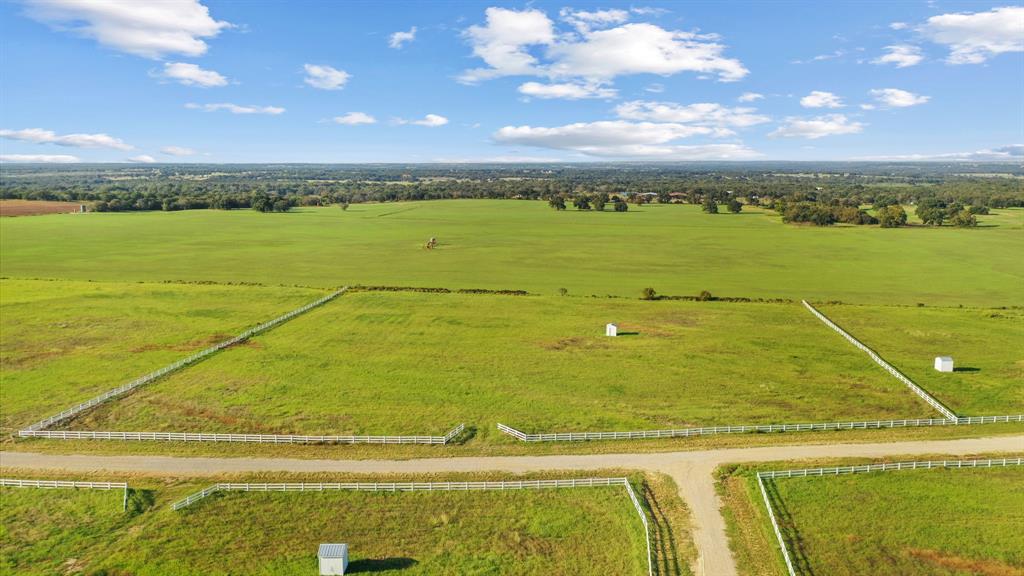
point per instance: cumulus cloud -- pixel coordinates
(40, 136)
(566, 91)
(817, 127)
(619, 138)
(235, 108)
(819, 99)
(750, 97)
(584, 21)
(430, 121)
(354, 119)
(40, 158)
(898, 25)
(148, 29)
(142, 159)
(896, 98)
(399, 39)
(325, 77)
(177, 151)
(902, 55)
(192, 75)
(593, 55)
(973, 38)
(720, 117)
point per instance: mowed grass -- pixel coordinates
(415, 363)
(64, 342)
(937, 522)
(987, 347)
(502, 244)
(521, 532)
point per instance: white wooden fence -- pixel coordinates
(250, 438)
(431, 487)
(16, 483)
(931, 400)
(143, 380)
(810, 427)
(839, 470)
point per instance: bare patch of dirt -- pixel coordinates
(36, 207)
(953, 562)
(191, 346)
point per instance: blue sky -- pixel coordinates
(212, 81)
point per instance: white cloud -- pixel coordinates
(149, 29)
(399, 39)
(354, 119)
(595, 56)
(235, 108)
(325, 77)
(192, 75)
(817, 127)
(40, 136)
(568, 91)
(700, 114)
(902, 55)
(430, 121)
(896, 98)
(655, 88)
(142, 159)
(584, 21)
(750, 97)
(40, 158)
(898, 25)
(618, 138)
(1010, 153)
(973, 38)
(819, 99)
(177, 151)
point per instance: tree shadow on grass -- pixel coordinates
(966, 369)
(379, 565)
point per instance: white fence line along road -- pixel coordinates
(250, 438)
(815, 427)
(839, 470)
(431, 487)
(143, 380)
(16, 483)
(931, 400)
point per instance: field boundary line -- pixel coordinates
(430, 487)
(51, 484)
(188, 361)
(250, 438)
(931, 400)
(839, 470)
(752, 428)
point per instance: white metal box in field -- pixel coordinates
(333, 559)
(944, 363)
(611, 330)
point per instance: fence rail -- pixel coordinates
(143, 380)
(16, 483)
(250, 438)
(810, 427)
(430, 487)
(839, 470)
(931, 400)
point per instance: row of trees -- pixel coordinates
(596, 202)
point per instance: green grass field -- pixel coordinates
(500, 244)
(912, 522)
(64, 342)
(414, 363)
(529, 532)
(987, 347)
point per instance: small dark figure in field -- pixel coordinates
(431, 244)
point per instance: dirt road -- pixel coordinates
(692, 472)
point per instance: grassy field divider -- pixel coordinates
(143, 380)
(250, 438)
(51, 484)
(753, 428)
(931, 400)
(431, 487)
(839, 470)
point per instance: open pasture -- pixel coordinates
(987, 346)
(502, 244)
(64, 342)
(420, 363)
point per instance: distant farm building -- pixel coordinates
(333, 559)
(944, 363)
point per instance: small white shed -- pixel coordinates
(611, 330)
(944, 363)
(333, 559)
